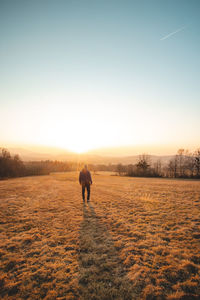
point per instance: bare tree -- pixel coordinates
(130, 170)
(197, 162)
(173, 166)
(143, 164)
(180, 162)
(10, 166)
(120, 169)
(189, 164)
(158, 168)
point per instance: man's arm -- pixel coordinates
(90, 177)
(80, 178)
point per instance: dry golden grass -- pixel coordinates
(138, 239)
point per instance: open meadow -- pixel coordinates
(138, 238)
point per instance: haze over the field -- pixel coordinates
(90, 74)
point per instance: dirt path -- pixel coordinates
(101, 272)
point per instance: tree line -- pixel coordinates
(13, 166)
(182, 165)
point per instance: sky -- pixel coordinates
(82, 75)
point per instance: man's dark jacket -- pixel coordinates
(85, 177)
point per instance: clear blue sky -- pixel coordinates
(89, 74)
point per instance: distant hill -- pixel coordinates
(64, 155)
(40, 153)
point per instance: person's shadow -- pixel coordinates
(101, 272)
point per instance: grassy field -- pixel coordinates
(137, 239)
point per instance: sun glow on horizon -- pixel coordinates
(82, 132)
(78, 149)
(75, 82)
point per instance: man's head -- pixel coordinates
(85, 168)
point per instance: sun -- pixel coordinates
(78, 135)
(79, 149)
(74, 143)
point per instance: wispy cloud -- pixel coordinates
(172, 33)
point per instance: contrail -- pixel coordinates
(172, 33)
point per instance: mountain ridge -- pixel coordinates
(89, 157)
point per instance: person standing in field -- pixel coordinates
(85, 180)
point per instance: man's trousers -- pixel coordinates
(86, 186)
